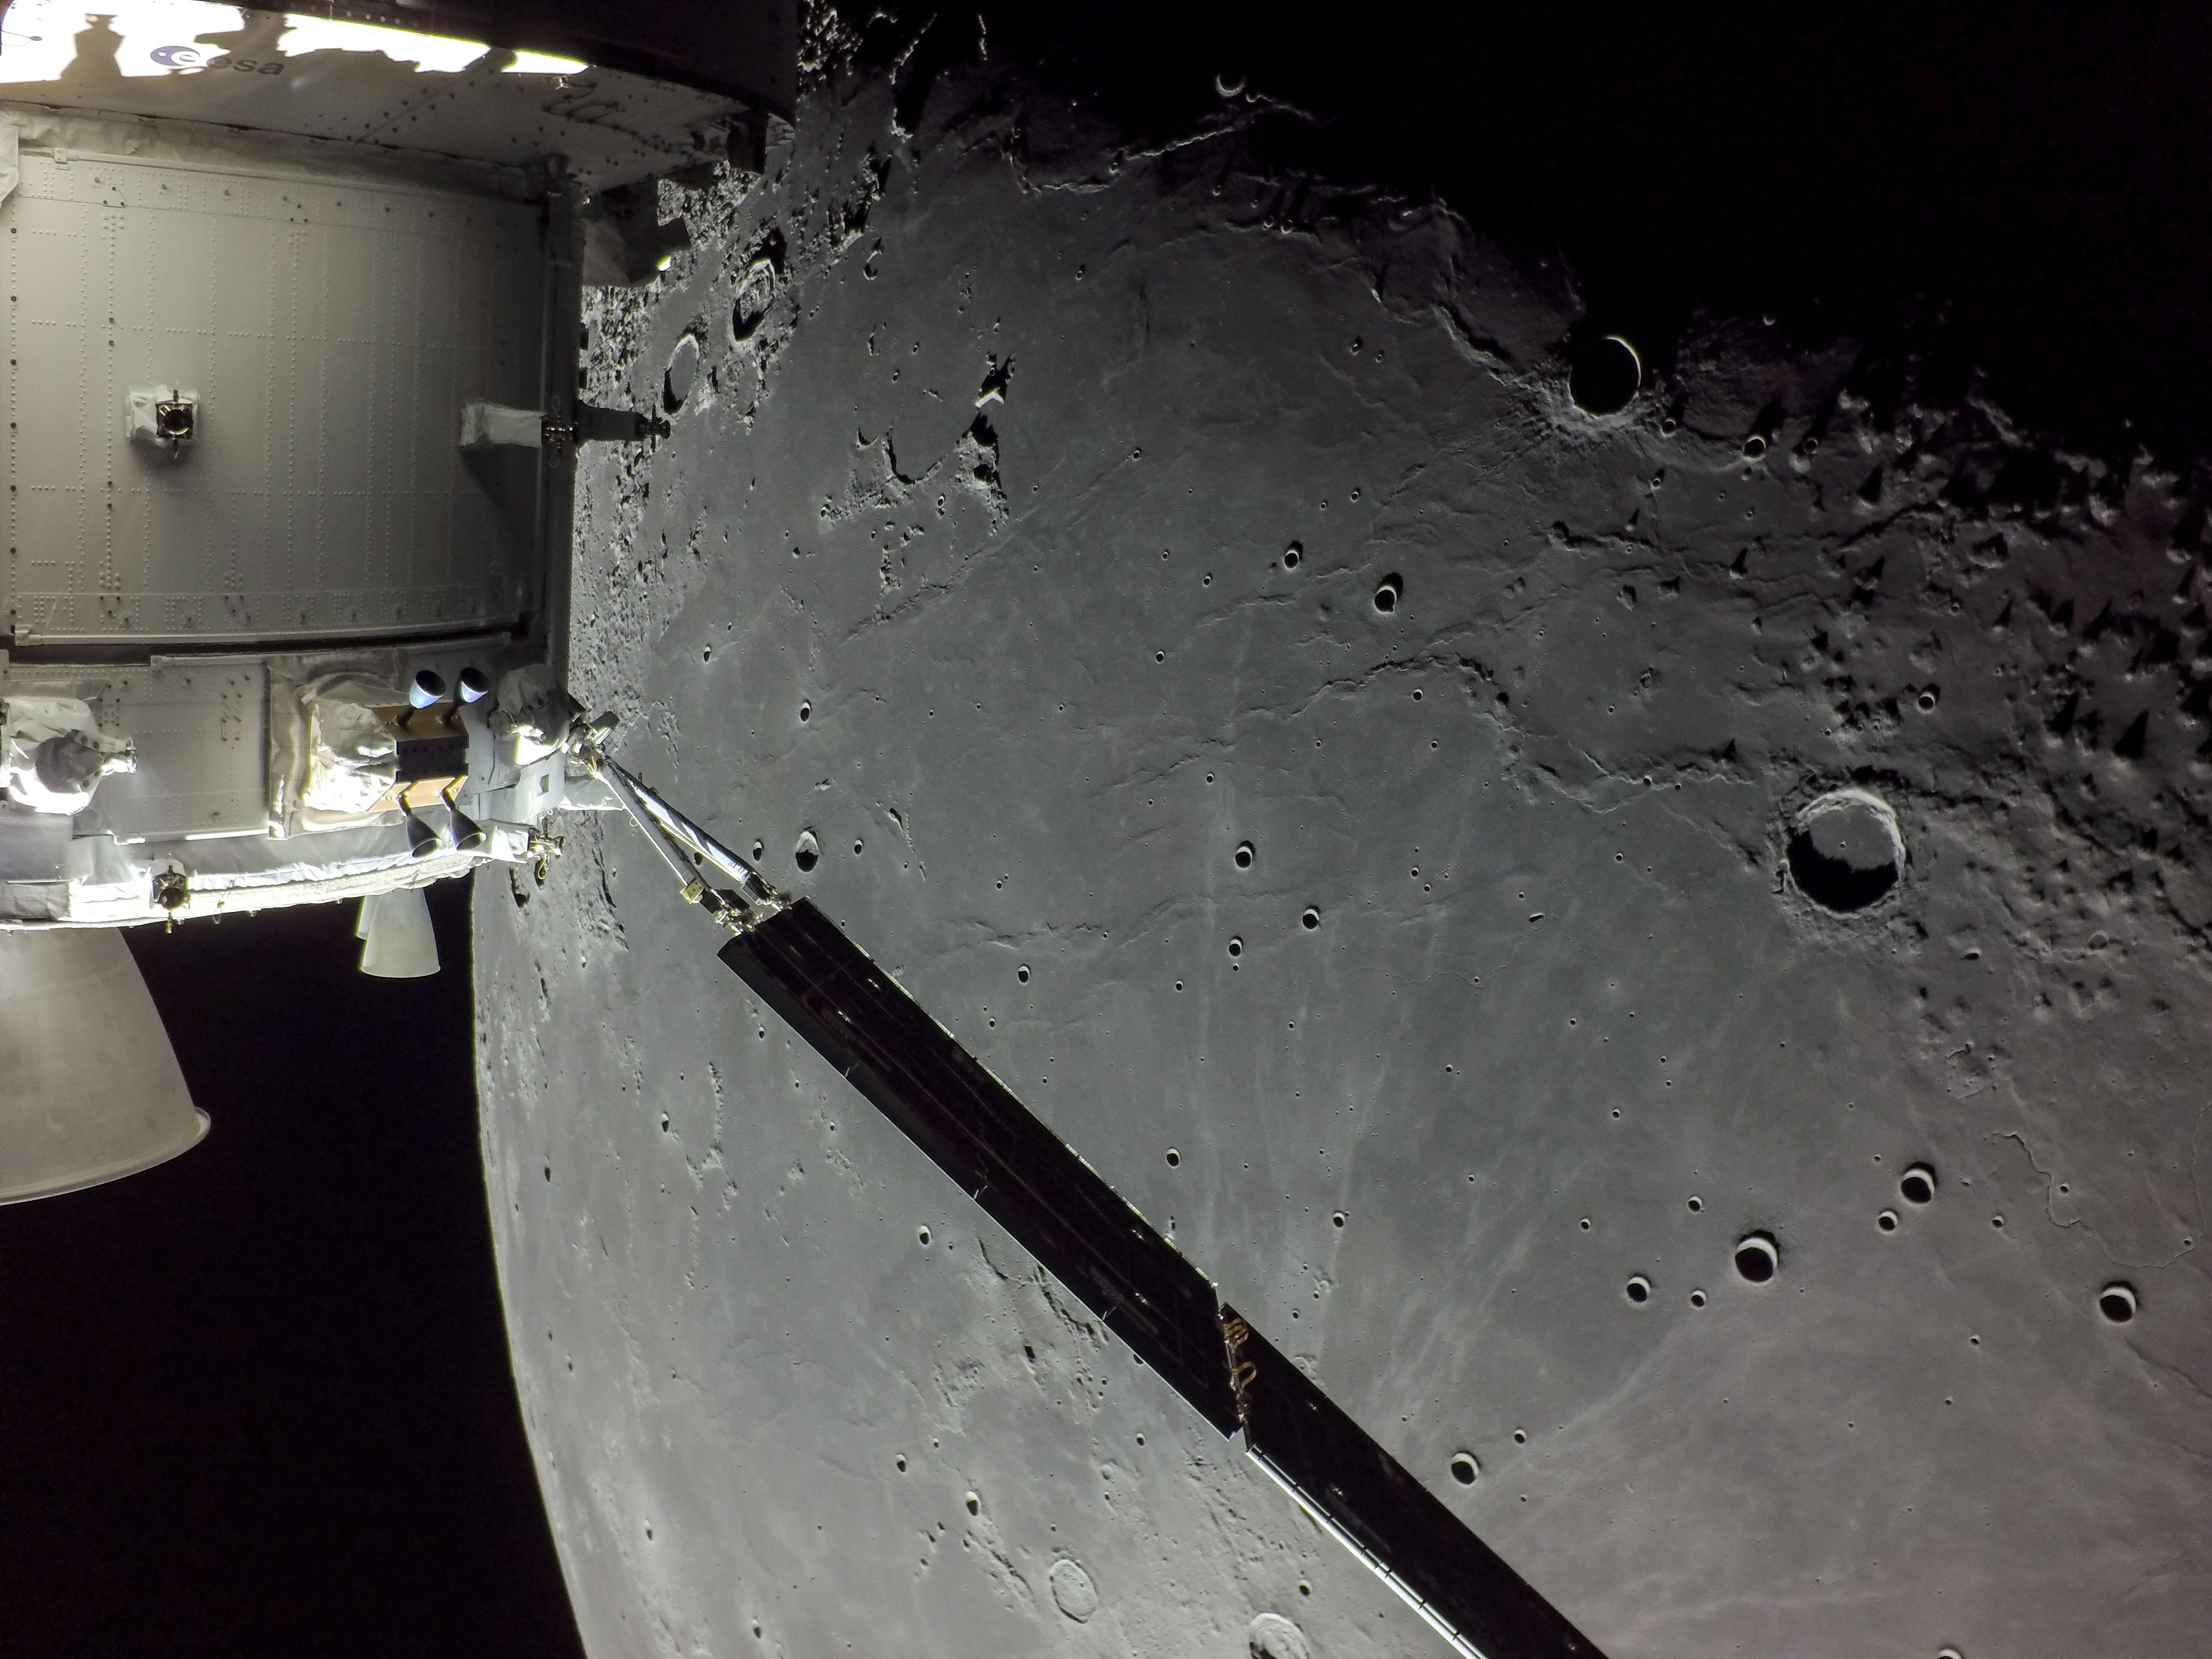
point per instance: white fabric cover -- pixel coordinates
(28, 721)
(351, 756)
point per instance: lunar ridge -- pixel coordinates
(1659, 951)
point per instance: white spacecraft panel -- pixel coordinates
(384, 90)
(201, 730)
(331, 331)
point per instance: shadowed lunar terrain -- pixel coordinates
(1661, 953)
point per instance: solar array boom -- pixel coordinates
(1056, 1206)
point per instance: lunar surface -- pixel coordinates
(1657, 944)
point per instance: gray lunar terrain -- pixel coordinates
(1460, 865)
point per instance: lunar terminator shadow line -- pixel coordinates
(911, 1069)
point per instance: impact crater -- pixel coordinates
(1605, 376)
(1845, 852)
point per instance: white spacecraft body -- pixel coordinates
(291, 335)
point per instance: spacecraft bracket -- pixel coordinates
(495, 426)
(164, 419)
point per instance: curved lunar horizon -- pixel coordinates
(1661, 954)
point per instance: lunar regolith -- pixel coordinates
(1651, 930)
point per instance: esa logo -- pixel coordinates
(191, 57)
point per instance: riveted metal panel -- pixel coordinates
(332, 331)
(201, 731)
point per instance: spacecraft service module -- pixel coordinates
(293, 304)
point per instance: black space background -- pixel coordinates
(258, 1401)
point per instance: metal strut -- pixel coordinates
(687, 849)
(1090, 1239)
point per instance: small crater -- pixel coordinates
(1917, 1184)
(1605, 376)
(856, 848)
(1928, 699)
(805, 711)
(1697, 1299)
(1023, 974)
(1291, 555)
(1388, 591)
(808, 853)
(1271, 1636)
(682, 373)
(1520, 1437)
(1235, 947)
(921, 1234)
(756, 288)
(2117, 1302)
(1175, 1158)
(1845, 853)
(1695, 1204)
(1337, 1220)
(1311, 919)
(1886, 1221)
(1757, 1258)
(1637, 1290)
(1072, 1592)
(900, 1462)
(1754, 446)
(1464, 1468)
(1244, 855)
(974, 1504)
